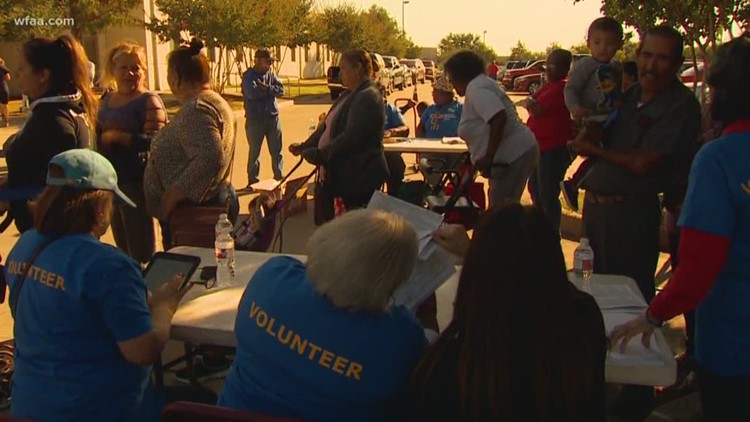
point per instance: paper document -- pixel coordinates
(424, 221)
(635, 352)
(427, 277)
(452, 140)
(614, 296)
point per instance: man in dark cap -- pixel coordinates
(261, 87)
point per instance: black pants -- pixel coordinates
(724, 399)
(625, 240)
(397, 170)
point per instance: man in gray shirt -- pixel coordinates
(658, 121)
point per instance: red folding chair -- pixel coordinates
(194, 412)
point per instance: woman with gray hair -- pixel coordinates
(320, 341)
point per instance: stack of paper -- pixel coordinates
(434, 266)
(616, 297)
(452, 140)
(424, 221)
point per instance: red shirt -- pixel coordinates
(492, 69)
(554, 127)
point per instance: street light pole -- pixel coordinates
(484, 37)
(403, 10)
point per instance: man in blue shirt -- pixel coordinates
(261, 87)
(441, 119)
(395, 126)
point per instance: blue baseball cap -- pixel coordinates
(86, 170)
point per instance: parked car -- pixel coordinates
(408, 75)
(383, 77)
(510, 76)
(430, 70)
(399, 72)
(529, 83)
(417, 68)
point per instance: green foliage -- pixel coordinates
(452, 43)
(521, 52)
(89, 16)
(343, 27)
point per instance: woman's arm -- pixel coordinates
(146, 348)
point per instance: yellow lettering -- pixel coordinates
(11, 268)
(299, 343)
(288, 337)
(354, 370)
(264, 316)
(43, 277)
(60, 283)
(339, 364)
(313, 350)
(326, 358)
(269, 329)
(35, 271)
(253, 309)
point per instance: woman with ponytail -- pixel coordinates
(54, 74)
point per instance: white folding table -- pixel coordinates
(207, 316)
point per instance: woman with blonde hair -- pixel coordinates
(322, 340)
(129, 117)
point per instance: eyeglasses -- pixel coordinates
(207, 277)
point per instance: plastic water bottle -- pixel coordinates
(224, 248)
(583, 263)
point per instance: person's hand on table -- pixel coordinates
(624, 332)
(452, 238)
(388, 133)
(169, 294)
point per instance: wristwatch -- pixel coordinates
(653, 321)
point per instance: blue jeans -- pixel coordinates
(256, 130)
(544, 183)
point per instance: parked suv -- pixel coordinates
(417, 68)
(383, 77)
(509, 78)
(430, 71)
(399, 72)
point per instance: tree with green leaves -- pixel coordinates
(342, 27)
(452, 43)
(89, 16)
(521, 52)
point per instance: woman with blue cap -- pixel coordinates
(86, 328)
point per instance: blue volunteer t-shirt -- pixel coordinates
(393, 117)
(440, 121)
(300, 356)
(718, 202)
(79, 299)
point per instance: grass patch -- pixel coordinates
(292, 91)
